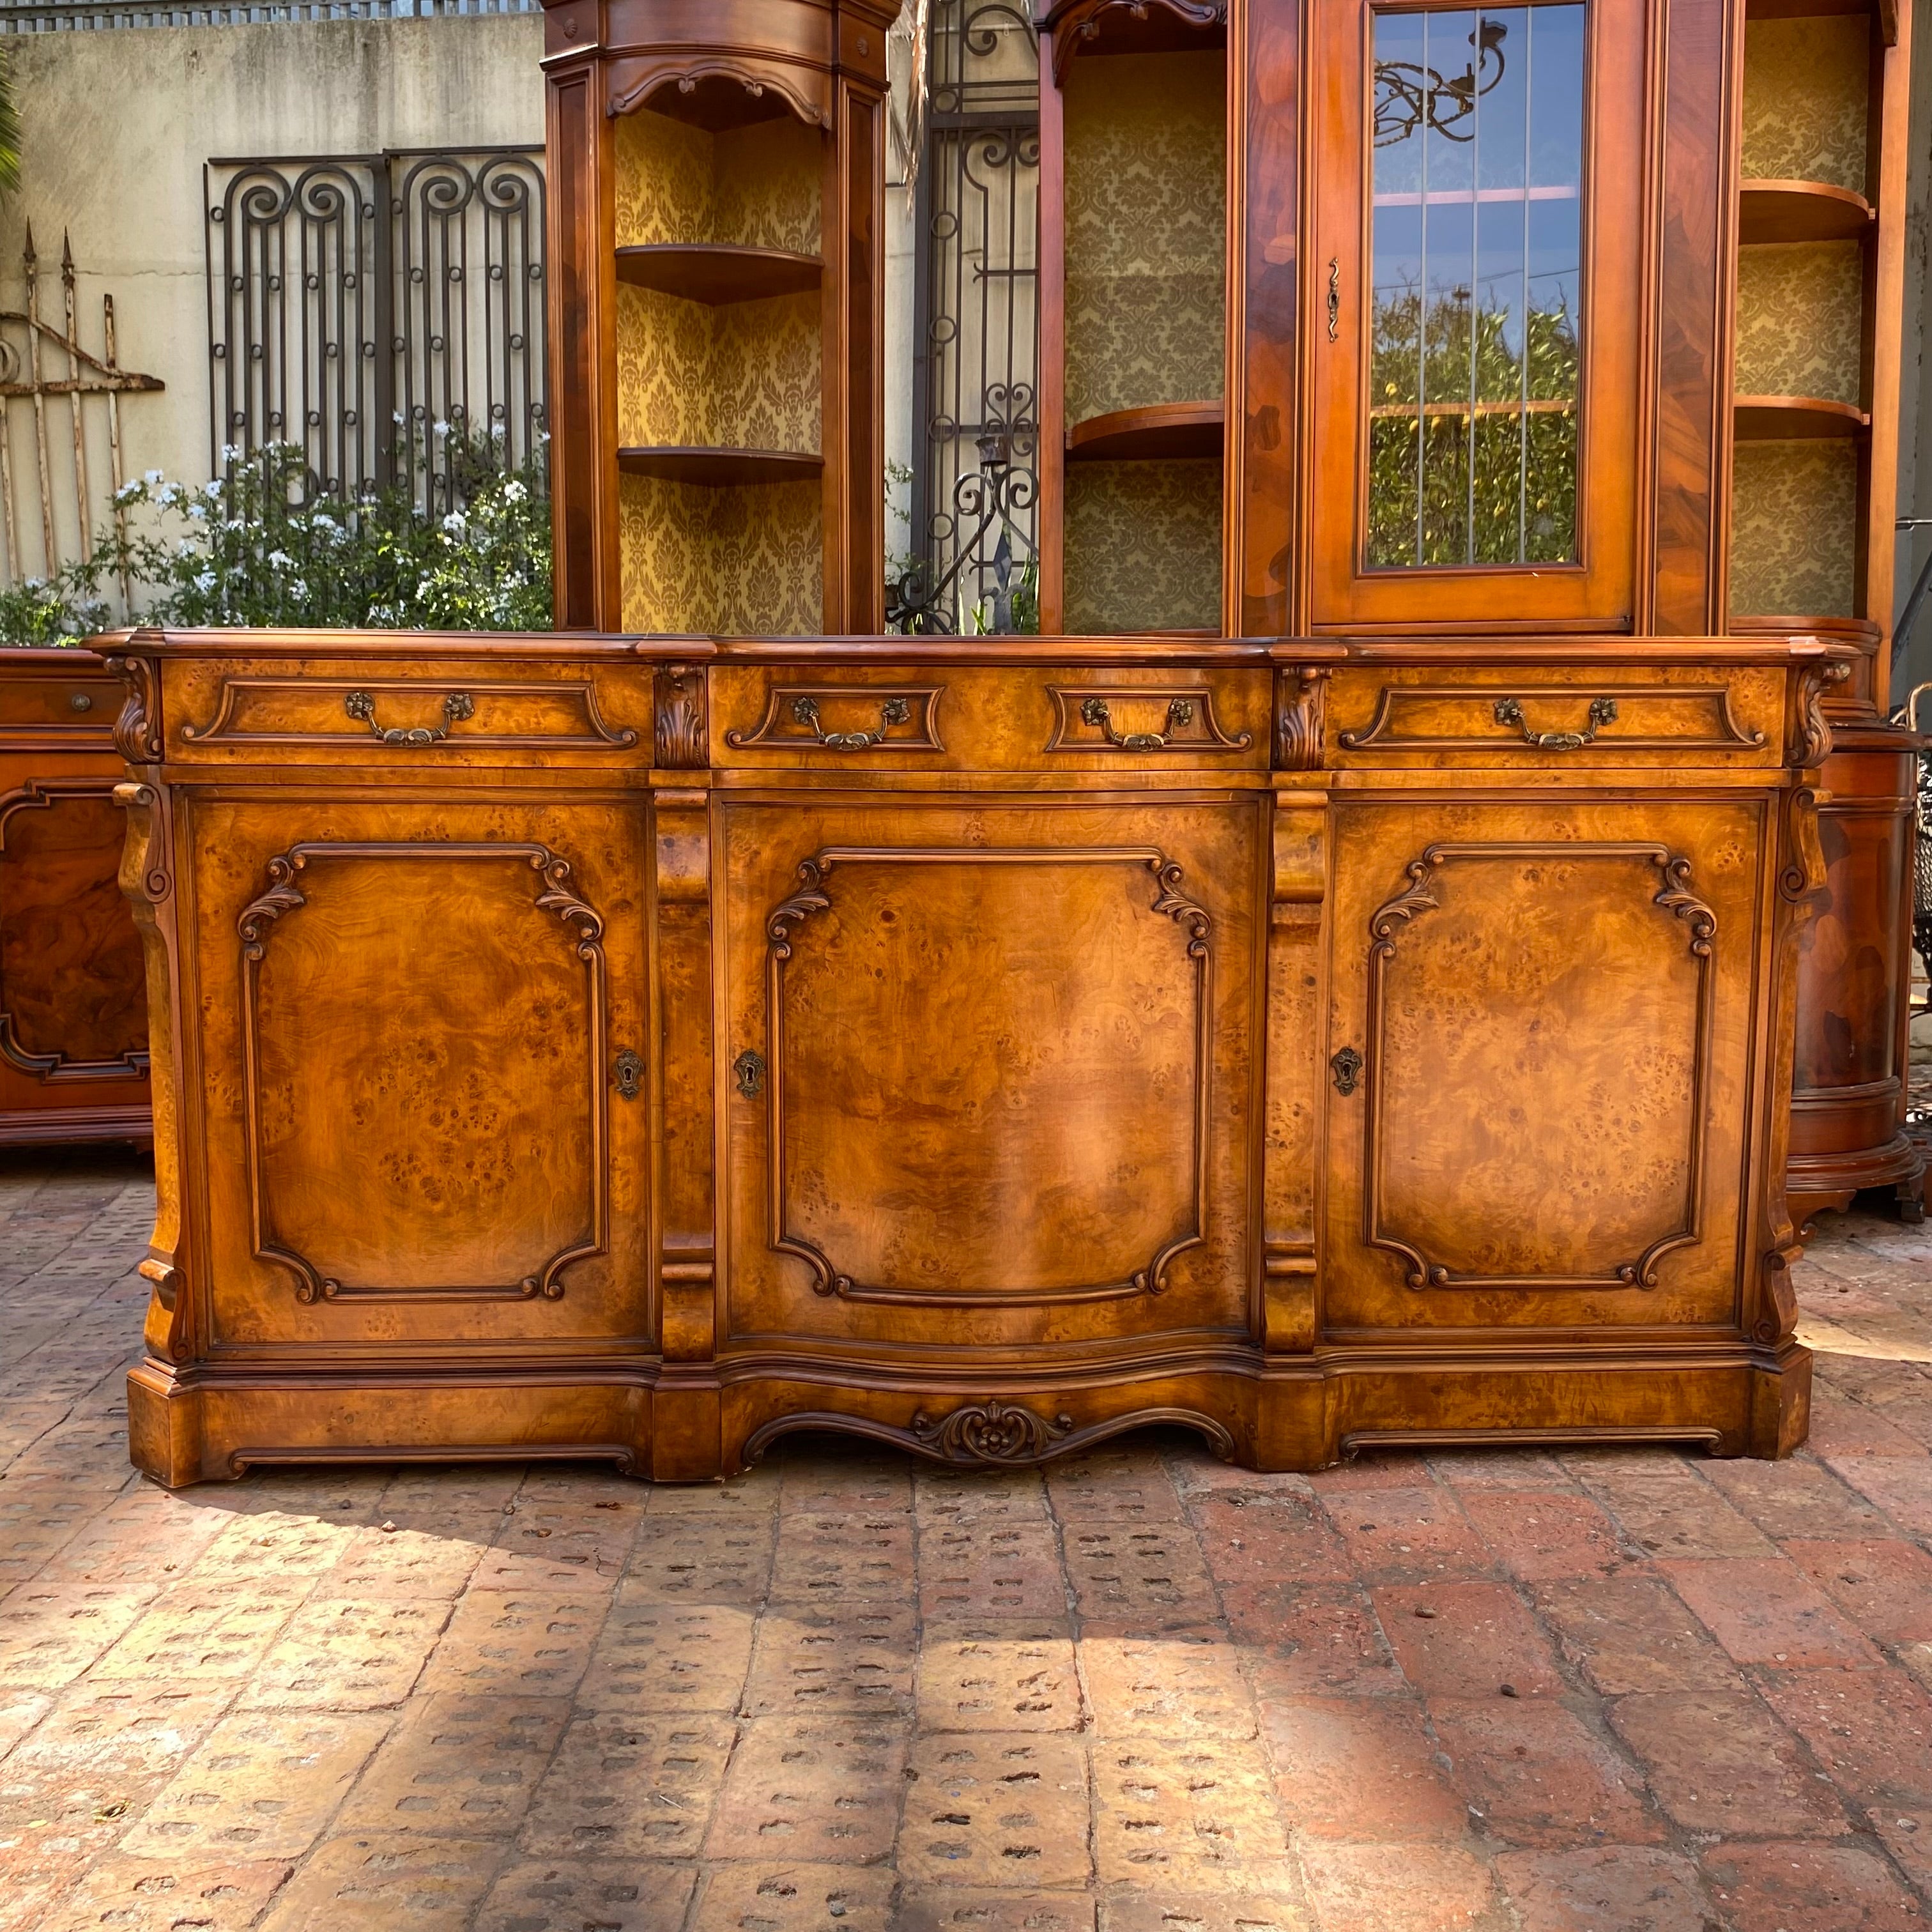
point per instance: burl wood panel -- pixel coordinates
(1553, 1009)
(1002, 1094)
(73, 1032)
(426, 1136)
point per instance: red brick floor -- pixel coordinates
(1628, 1692)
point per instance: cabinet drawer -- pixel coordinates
(1087, 718)
(391, 711)
(49, 707)
(1548, 715)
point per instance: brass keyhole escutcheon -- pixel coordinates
(627, 1075)
(749, 1068)
(1346, 1066)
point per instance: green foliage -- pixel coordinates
(248, 548)
(1523, 488)
(10, 124)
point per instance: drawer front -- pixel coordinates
(45, 707)
(384, 713)
(1554, 716)
(1087, 718)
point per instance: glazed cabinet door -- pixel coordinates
(1475, 272)
(440, 1132)
(1544, 1030)
(988, 1073)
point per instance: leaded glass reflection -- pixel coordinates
(1476, 322)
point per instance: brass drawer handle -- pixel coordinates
(1180, 715)
(894, 711)
(457, 706)
(1602, 711)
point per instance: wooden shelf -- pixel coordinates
(1161, 430)
(1790, 419)
(716, 273)
(687, 464)
(1801, 210)
(1810, 9)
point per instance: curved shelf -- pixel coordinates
(1790, 419)
(686, 462)
(716, 273)
(1801, 210)
(1169, 430)
(1807, 10)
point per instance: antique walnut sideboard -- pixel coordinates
(1333, 983)
(73, 1005)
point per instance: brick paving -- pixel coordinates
(1626, 1692)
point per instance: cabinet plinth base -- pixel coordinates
(1730, 1400)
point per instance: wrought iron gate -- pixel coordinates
(374, 308)
(976, 323)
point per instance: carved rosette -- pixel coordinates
(681, 734)
(1300, 718)
(992, 1433)
(1811, 742)
(137, 731)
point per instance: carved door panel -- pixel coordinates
(1542, 1034)
(989, 1071)
(441, 1130)
(73, 1011)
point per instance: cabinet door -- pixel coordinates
(1542, 1027)
(1476, 266)
(991, 1071)
(439, 1134)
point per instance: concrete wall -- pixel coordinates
(117, 127)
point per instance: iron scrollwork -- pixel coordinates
(1603, 712)
(458, 706)
(1409, 96)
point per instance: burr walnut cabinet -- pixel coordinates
(1336, 983)
(73, 1009)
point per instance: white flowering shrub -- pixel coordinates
(254, 548)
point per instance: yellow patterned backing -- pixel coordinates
(1794, 528)
(757, 186)
(1807, 83)
(1143, 547)
(745, 375)
(740, 560)
(1798, 305)
(1146, 225)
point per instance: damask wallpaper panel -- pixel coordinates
(757, 186)
(1798, 313)
(738, 560)
(1143, 547)
(1794, 528)
(1807, 85)
(745, 375)
(1147, 223)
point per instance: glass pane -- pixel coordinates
(1476, 286)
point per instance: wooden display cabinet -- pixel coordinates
(73, 1018)
(1335, 987)
(1822, 158)
(716, 184)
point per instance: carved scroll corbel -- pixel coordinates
(681, 735)
(137, 731)
(1811, 739)
(1300, 718)
(1802, 871)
